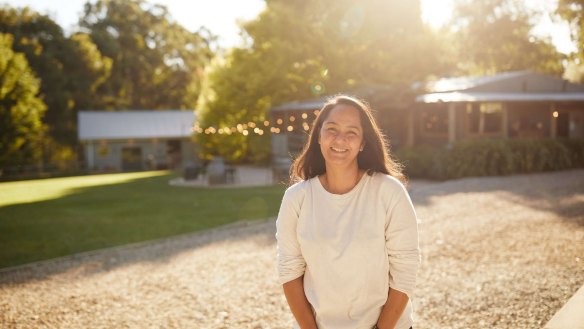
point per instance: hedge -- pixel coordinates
(491, 157)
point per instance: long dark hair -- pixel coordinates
(374, 157)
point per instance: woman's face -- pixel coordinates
(341, 136)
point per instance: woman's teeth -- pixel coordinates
(339, 150)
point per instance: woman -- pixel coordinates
(347, 231)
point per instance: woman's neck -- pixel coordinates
(340, 181)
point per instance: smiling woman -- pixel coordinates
(347, 231)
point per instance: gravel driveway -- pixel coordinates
(497, 253)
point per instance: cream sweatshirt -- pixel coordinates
(350, 248)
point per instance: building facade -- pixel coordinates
(518, 104)
(136, 140)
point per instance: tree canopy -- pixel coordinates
(304, 49)
(70, 68)
(495, 36)
(573, 12)
(21, 108)
(156, 63)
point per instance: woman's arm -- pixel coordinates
(299, 305)
(393, 309)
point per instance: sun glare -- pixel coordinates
(436, 12)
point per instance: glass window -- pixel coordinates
(435, 121)
(484, 118)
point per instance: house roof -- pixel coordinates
(466, 83)
(454, 97)
(94, 125)
(508, 86)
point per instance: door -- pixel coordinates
(132, 158)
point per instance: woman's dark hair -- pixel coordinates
(374, 157)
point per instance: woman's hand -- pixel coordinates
(299, 305)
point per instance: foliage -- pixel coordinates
(494, 36)
(70, 215)
(21, 109)
(492, 157)
(573, 12)
(70, 69)
(157, 63)
(304, 49)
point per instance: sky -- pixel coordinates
(221, 16)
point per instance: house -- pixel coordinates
(136, 140)
(507, 105)
(516, 104)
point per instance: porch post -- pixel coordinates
(553, 122)
(410, 127)
(451, 123)
(90, 155)
(505, 120)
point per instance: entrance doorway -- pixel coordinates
(132, 158)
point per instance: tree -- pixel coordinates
(573, 12)
(304, 49)
(70, 69)
(494, 36)
(21, 108)
(157, 64)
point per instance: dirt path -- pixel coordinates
(497, 253)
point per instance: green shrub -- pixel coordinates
(491, 157)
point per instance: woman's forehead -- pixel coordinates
(343, 114)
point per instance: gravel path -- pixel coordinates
(497, 253)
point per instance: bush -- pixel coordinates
(491, 157)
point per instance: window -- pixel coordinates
(484, 118)
(434, 121)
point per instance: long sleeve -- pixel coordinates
(291, 264)
(402, 244)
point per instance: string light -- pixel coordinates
(250, 127)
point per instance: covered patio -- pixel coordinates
(507, 105)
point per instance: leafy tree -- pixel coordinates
(70, 69)
(303, 49)
(21, 108)
(494, 36)
(157, 64)
(573, 12)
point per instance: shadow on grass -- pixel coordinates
(106, 216)
(158, 251)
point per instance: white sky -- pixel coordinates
(221, 16)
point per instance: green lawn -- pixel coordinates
(43, 219)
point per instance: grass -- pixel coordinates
(43, 219)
